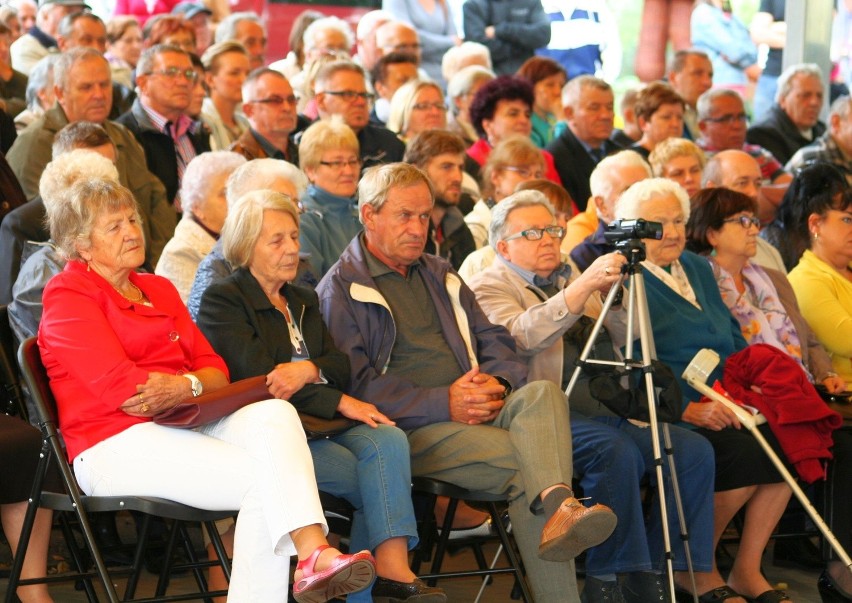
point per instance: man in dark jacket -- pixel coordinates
(341, 89)
(441, 155)
(793, 121)
(270, 107)
(511, 29)
(424, 353)
(165, 78)
(589, 111)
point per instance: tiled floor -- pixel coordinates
(800, 585)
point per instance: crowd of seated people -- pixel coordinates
(410, 235)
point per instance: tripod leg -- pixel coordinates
(646, 342)
(684, 530)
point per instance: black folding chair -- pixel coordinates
(12, 402)
(80, 505)
(433, 488)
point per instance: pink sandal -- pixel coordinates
(347, 574)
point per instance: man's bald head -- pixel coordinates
(735, 170)
(396, 36)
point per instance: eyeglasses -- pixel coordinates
(535, 234)
(173, 73)
(525, 172)
(404, 47)
(340, 53)
(275, 100)
(351, 95)
(728, 119)
(339, 165)
(745, 221)
(427, 106)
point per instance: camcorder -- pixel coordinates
(627, 230)
(627, 235)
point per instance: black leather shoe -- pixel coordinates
(601, 591)
(829, 591)
(391, 591)
(645, 587)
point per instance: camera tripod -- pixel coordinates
(637, 309)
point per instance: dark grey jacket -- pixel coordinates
(520, 26)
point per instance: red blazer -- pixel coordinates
(97, 346)
(798, 417)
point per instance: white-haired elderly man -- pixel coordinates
(204, 205)
(247, 29)
(365, 34)
(423, 352)
(835, 145)
(611, 177)
(793, 121)
(547, 309)
(325, 37)
(461, 90)
(257, 174)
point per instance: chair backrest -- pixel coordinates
(12, 402)
(35, 375)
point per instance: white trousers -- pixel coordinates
(256, 460)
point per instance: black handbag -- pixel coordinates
(605, 381)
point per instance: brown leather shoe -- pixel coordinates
(575, 528)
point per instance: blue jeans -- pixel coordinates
(371, 469)
(611, 456)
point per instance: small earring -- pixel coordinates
(816, 236)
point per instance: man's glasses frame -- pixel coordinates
(536, 234)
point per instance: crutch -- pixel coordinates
(492, 566)
(696, 375)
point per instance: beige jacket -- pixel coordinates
(536, 323)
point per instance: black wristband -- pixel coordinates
(505, 383)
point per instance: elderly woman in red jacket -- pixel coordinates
(119, 347)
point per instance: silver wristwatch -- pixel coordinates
(197, 387)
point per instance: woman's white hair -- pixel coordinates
(336, 23)
(629, 205)
(198, 179)
(60, 174)
(466, 54)
(261, 174)
(245, 221)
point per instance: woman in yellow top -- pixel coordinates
(823, 280)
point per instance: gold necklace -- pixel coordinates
(139, 298)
